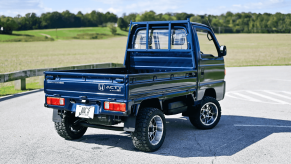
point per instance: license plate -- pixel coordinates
(85, 111)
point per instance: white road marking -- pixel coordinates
(267, 97)
(272, 96)
(286, 97)
(246, 97)
(270, 126)
(287, 92)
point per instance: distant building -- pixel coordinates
(5, 31)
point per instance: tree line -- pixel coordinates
(224, 23)
(55, 19)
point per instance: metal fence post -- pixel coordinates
(20, 84)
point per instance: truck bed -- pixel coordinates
(119, 84)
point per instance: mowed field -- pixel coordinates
(61, 34)
(243, 50)
(256, 49)
(29, 55)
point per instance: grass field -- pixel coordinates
(256, 49)
(29, 55)
(61, 34)
(243, 50)
(9, 89)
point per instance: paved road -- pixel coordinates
(255, 128)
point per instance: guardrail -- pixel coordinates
(20, 76)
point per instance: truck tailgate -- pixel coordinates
(85, 84)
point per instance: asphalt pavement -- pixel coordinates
(255, 127)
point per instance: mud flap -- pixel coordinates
(56, 116)
(191, 109)
(129, 123)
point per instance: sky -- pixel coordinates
(119, 7)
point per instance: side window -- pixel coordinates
(178, 39)
(207, 45)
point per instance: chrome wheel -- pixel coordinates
(150, 129)
(208, 113)
(155, 130)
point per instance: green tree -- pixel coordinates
(8, 24)
(182, 16)
(112, 28)
(168, 17)
(146, 16)
(130, 17)
(121, 23)
(196, 18)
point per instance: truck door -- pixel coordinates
(211, 64)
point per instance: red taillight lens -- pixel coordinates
(113, 106)
(49, 100)
(55, 101)
(122, 107)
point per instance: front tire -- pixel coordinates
(207, 114)
(150, 130)
(67, 129)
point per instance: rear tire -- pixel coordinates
(207, 114)
(150, 130)
(67, 129)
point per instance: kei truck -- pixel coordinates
(170, 67)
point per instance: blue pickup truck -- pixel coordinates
(170, 67)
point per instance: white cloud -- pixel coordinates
(159, 6)
(114, 10)
(260, 5)
(19, 4)
(114, 2)
(22, 7)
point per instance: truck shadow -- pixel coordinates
(183, 140)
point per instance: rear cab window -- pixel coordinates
(159, 39)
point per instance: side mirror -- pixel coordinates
(223, 51)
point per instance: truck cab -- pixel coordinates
(170, 67)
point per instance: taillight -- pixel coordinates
(55, 101)
(113, 106)
(224, 72)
